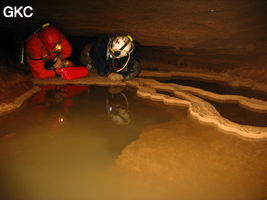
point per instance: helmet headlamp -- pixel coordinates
(115, 53)
(58, 47)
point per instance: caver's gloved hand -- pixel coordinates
(49, 64)
(115, 76)
(57, 63)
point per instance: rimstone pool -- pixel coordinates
(96, 142)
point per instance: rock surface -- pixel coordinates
(178, 23)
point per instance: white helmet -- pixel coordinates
(118, 107)
(119, 116)
(120, 46)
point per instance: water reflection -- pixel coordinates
(118, 106)
(62, 143)
(53, 103)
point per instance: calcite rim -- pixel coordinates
(184, 96)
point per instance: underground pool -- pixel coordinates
(95, 142)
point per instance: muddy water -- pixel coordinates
(63, 139)
(67, 143)
(185, 160)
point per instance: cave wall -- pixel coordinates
(216, 24)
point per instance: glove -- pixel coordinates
(49, 64)
(115, 77)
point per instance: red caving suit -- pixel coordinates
(37, 55)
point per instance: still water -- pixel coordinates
(234, 111)
(88, 142)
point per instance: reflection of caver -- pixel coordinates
(118, 106)
(54, 102)
(113, 57)
(46, 53)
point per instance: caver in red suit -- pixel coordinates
(43, 47)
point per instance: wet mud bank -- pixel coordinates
(13, 86)
(14, 89)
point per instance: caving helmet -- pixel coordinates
(118, 108)
(120, 46)
(51, 38)
(119, 116)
